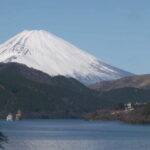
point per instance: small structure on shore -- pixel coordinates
(18, 115)
(9, 117)
(128, 107)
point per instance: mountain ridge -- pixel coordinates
(137, 81)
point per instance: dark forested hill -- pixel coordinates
(39, 95)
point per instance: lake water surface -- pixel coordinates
(74, 135)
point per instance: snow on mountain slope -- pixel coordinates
(46, 52)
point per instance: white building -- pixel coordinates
(128, 106)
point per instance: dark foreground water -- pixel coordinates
(74, 135)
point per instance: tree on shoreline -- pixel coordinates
(3, 139)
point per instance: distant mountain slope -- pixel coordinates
(50, 54)
(141, 81)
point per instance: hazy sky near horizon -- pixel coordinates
(115, 31)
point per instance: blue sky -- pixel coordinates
(116, 31)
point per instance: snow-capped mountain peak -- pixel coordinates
(46, 52)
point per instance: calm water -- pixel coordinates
(74, 135)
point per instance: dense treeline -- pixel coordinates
(41, 96)
(61, 97)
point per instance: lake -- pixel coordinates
(53, 134)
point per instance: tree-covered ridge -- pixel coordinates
(39, 95)
(59, 97)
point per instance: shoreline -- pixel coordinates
(139, 115)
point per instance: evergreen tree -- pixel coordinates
(3, 140)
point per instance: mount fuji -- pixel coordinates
(50, 54)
